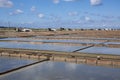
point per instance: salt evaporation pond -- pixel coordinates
(117, 43)
(102, 50)
(7, 63)
(45, 40)
(40, 46)
(64, 71)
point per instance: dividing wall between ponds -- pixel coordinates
(95, 59)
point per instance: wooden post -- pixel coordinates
(85, 59)
(111, 62)
(65, 58)
(75, 59)
(96, 61)
(53, 57)
(1, 54)
(9, 54)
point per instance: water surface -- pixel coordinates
(40, 46)
(64, 71)
(102, 50)
(117, 43)
(7, 63)
(48, 40)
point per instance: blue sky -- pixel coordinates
(60, 13)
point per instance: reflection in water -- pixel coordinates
(113, 43)
(40, 46)
(102, 50)
(46, 40)
(70, 66)
(64, 71)
(7, 63)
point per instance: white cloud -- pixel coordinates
(6, 3)
(69, 0)
(87, 18)
(73, 13)
(41, 15)
(56, 1)
(95, 2)
(18, 11)
(33, 8)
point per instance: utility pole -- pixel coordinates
(8, 25)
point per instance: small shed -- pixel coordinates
(26, 30)
(23, 30)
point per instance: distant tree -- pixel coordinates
(49, 29)
(69, 29)
(82, 29)
(61, 29)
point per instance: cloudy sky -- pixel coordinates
(60, 13)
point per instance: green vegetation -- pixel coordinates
(8, 29)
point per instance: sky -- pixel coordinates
(60, 13)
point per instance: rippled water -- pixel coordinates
(102, 50)
(64, 71)
(7, 63)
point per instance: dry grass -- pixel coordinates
(98, 34)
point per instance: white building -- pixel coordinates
(26, 30)
(23, 30)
